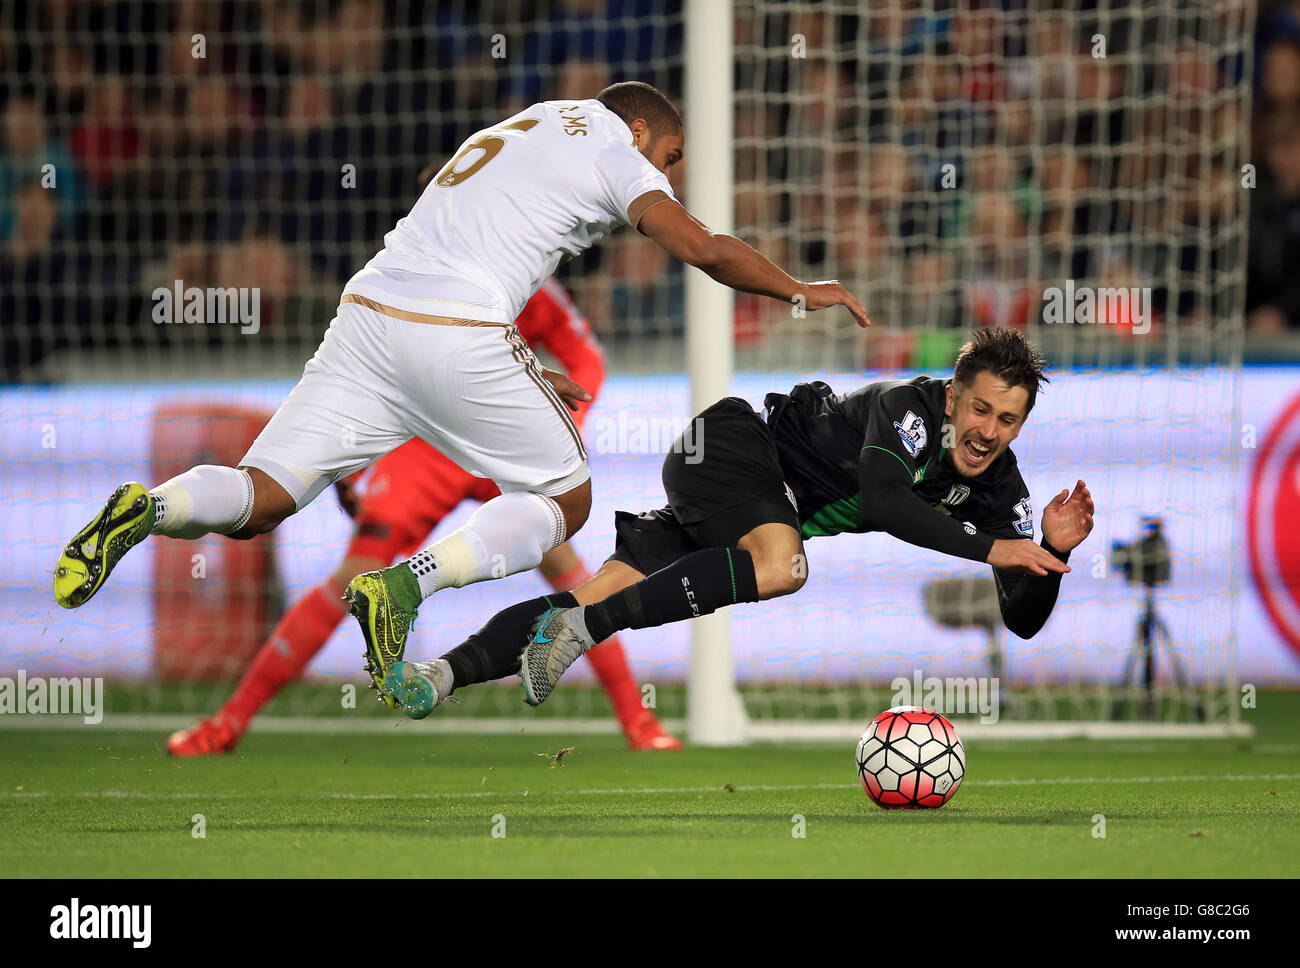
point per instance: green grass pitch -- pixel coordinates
(94, 802)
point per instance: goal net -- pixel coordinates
(976, 164)
(956, 164)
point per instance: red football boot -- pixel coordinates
(209, 736)
(648, 734)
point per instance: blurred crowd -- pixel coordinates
(981, 153)
(1273, 283)
(948, 158)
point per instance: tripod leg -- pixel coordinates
(1148, 670)
(1120, 701)
(1180, 673)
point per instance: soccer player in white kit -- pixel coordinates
(424, 345)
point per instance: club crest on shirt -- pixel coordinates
(956, 495)
(1025, 517)
(911, 431)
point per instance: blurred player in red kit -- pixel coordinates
(396, 503)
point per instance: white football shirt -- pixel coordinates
(512, 202)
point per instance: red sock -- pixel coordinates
(609, 661)
(302, 631)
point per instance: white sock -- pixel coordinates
(448, 677)
(204, 499)
(506, 535)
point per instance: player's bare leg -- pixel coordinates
(768, 562)
(780, 565)
(235, 501)
(272, 504)
(508, 534)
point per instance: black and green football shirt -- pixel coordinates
(823, 439)
(874, 460)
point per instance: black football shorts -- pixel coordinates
(723, 478)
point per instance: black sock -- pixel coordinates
(698, 584)
(493, 651)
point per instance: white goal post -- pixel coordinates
(715, 712)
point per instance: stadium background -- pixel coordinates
(279, 158)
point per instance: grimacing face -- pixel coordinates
(664, 151)
(986, 416)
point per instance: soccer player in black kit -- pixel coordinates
(926, 460)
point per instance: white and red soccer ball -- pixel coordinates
(910, 757)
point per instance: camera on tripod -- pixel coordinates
(1144, 561)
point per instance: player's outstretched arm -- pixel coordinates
(733, 263)
(1020, 556)
(1027, 600)
(889, 504)
(1028, 575)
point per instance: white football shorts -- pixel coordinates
(471, 389)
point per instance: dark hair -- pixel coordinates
(633, 99)
(1007, 355)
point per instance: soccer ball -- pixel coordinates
(910, 757)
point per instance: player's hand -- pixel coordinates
(1025, 557)
(1068, 520)
(347, 495)
(572, 394)
(823, 295)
